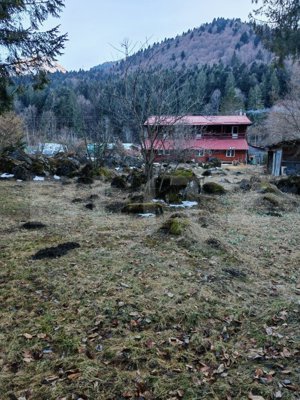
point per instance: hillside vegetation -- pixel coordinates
(219, 68)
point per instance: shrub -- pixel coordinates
(11, 131)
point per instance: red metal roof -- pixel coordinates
(197, 144)
(198, 120)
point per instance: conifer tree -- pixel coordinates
(24, 47)
(277, 22)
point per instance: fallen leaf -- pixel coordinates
(74, 377)
(27, 336)
(41, 335)
(258, 373)
(254, 397)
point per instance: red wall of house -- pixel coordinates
(240, 156)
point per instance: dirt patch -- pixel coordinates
(90, 206)
(55, 252)
(33, 225)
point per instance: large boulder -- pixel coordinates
(66, 166)
(7, 164)
(290, 184)
(40, 166)
(178, 185)
(213, 188)
(20, 155)
(22, 173)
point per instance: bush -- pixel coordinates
(11, 131)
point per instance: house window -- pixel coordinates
(199, 135)
(160, 152)
(235, 132)
(199, 153)
(167, 152)
(230, 153)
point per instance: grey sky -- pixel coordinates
(94, 26)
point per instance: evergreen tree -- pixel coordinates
(255, 98)
(232, 100)
(283, 34)
(24, 48)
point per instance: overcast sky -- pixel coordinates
(95, 27)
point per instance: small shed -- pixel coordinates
(284, 158)
(256, 155)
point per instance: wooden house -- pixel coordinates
(198, 138)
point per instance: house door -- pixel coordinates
(277, 157)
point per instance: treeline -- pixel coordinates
(86, 103)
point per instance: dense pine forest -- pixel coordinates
(219, 68)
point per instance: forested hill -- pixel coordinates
(211, 43)
(219, 68)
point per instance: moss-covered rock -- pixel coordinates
(271, 199)
(38, 168)
(86, 175)
(66, 166)
(245, 185)
(105, 173)
(22, 173)
(267, 187)
(290, 184)
(175, 225)
(119, 182)
(143, 208)
(213, 188)
(175, 186)
(7, 164)
(136, 179)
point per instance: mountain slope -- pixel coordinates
(219, 41)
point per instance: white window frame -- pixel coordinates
(230, 153)
(199, 153)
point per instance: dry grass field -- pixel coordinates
(137, 312)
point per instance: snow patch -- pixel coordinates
(6, 175)
(146, 215)
(185, 204)
(56, 177)
(38, 178)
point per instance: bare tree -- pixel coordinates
(283, 122)
(143, 93)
